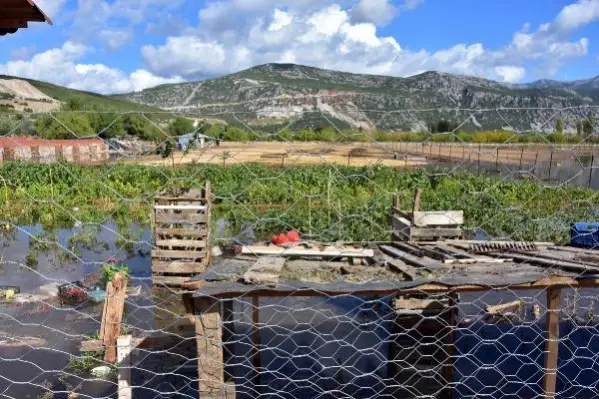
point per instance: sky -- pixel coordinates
(116, 46)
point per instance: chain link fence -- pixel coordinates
(434, 257)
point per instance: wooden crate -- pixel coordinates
(181, 236)
(416, 225)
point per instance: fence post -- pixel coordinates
(550, 163)
(479, 158)
(521, 155)
(591, 169)
(552, 342)
(497, 160)
(534, 170)
(211, 373)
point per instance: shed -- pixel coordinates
(16, 14)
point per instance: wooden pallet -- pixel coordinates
(181, 236)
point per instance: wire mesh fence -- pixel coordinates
(432, 256)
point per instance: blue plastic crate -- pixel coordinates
(585, 235)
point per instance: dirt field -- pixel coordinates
(389, 154)
(292, 153)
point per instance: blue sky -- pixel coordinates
(113, 46)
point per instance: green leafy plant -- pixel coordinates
(109, 270)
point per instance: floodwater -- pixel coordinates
(309, 347)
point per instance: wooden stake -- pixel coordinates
(116, 292)
(124, 373)
(591, 169)
(416, 205)
(449, 365)
(552, 342)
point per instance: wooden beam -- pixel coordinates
(551, 343)
(10, 23)
(512, 306)
(343, 252)
(256, 359)
(115, 292)
(211, 372)
(178, 267)
(172, 218)
(176, 243)
(416, 204)
(190, 232)
(165, 253)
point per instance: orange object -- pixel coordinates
(283, 239)
(293, 236)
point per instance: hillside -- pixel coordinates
(21, 94)
(275, 94)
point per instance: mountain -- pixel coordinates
(280, 94)
(21, 94)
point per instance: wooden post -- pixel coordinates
(256, 361)
(521, 155)
(552, 342)
(534, 169)
(591, 169)
(416, 205)
(448, 369)
(497, 160)
(211, 370)
(124, 373)
(550, 164)
(111, 326)
(479, 158)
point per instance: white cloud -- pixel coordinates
(378, 12)
(510, 74)
(59, 66)
(576, 15)
(115, 38)
(330, 36)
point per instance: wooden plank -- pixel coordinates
(180, 218)
(552, 342)
(173, 254)
(170, 281)
(502, 307)
(176, 243)
(178, 267)
(412, 260)
(211, 370)
(430, 233)
(181, 207)
(399, 266)
(442, 218)
(265, 271)
(166, 199)
(114, 315)
(166, 231)
(414, 303)
(533, 260)
(343, 252)
(125, 389)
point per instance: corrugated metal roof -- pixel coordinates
(16, 14)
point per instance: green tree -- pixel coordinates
(74, 104)
(589, 124)
(66, 125)
(180, 126)
(107, 125)
(139, 126)
(559, 126)
(579, 128)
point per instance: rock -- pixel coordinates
(101, 372)
(216, 251)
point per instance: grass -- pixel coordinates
(330, 203)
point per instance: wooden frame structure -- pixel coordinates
(416, 225)
(181, 236)
(467, 266)
(16, 14)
